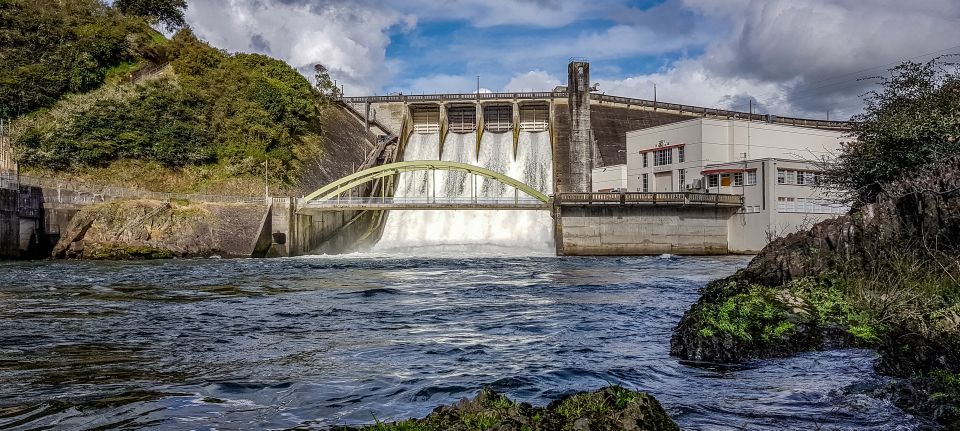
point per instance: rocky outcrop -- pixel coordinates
(146, 229)
(612, 408)
(850, 266)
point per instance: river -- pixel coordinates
(320, 341)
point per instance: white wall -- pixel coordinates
(609, 177)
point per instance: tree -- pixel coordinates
(323, 82)
(170, 13)
(911, 121)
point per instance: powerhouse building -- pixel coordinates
(775, 167)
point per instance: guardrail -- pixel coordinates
(424, 200)
(604, 98)
(85, 194)
(648, 198)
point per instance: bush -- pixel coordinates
(913, 120)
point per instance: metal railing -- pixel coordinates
(84, 193)
(604, 98)
(648, 198)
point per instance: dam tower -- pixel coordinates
(580, 157)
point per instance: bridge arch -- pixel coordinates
(362, 177)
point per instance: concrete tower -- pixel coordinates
(581, 135)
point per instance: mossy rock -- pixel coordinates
(612, 408)
(120, 251)
(739, 321)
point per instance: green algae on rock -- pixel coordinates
(611, 408)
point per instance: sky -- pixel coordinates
(805, 58)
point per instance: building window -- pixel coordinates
(781, 177)
(738, 179)
(791, 177)
(644, 157)
(681, 180)
(646, 182)
(800, 178)
(752, 178)
(810, 205)
(725, 180)
(680, 156)
(713, 180)
(663, 157)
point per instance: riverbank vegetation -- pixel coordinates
(612, 408)
(884, 276)
(168, 109)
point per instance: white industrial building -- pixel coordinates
(772, 165)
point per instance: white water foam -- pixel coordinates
(473, 232)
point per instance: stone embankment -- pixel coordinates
(145, 229)
(884, 276)
(612, 408)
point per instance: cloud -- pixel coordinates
(534, 80)
(350, 38)
(792, 58)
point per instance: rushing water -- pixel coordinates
(532, 164)
(313, 342)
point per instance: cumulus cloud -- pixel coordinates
(350, 38)
(792, 58)
(534, 80)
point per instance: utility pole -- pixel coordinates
(654, 96)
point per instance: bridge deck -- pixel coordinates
(518, 203)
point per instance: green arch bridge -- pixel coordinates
(331, 196)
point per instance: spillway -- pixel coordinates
(473, 231)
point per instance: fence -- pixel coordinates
(603, 98)
(648, 198)
(84, 194)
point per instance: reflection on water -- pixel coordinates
(314, 342)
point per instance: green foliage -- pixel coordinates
(234, 110)
(49, 48)
(913, 120)
(166, 12)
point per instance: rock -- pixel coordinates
(612, 408)
(918, 216)
(145, 229)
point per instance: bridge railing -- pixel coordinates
(648, 197)
(439, 200)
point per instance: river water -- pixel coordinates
(320, 341)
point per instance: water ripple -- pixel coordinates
(315, 342)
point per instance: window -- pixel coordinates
(680, 156)
(725, 180)
(663, 157)
(781, 177)
(644, 156)
(810, 179)
(816, 178)
(738, 179)
(810, 205)
(713, 180)
(791, 177)
(646, 182)
(681, 180)
(752, 178)
(800, 178)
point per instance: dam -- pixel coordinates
(498, 171)
(550, 141)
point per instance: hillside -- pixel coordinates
(167, 115)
